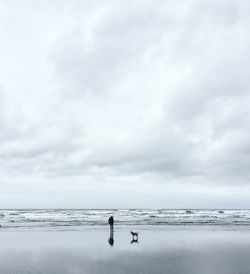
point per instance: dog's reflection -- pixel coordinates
(134, 241)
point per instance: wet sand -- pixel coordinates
(189, 250)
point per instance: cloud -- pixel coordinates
(152, 92)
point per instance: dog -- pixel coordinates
(134, 234)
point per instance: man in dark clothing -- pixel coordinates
(111, 221)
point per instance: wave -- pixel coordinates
(90, 217)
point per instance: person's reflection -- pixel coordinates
(111, 236)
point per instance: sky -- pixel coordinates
(124, 104)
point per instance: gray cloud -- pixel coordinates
(112, 95)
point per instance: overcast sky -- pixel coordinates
(136, 103)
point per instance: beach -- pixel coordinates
(160, 249)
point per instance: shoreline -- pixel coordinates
(79, 228)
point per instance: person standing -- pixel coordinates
(111, 222)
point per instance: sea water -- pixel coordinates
(58, 218)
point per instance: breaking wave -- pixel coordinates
(84, 217)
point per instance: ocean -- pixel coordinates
(60, 218)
